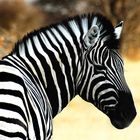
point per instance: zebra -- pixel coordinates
(48, 67)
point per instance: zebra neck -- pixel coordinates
(54, 60)
(54, 56)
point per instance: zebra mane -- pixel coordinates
(101, 21)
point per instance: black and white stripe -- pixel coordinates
(49, 67)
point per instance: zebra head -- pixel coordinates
(103, 75)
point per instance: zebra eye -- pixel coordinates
(91, 37)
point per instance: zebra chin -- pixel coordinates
(121, 121)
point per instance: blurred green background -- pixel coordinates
(80, 120)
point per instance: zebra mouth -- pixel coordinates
(121, 120)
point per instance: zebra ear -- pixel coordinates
(118, 30)
(91, 36)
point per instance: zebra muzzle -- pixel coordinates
(124, 114)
